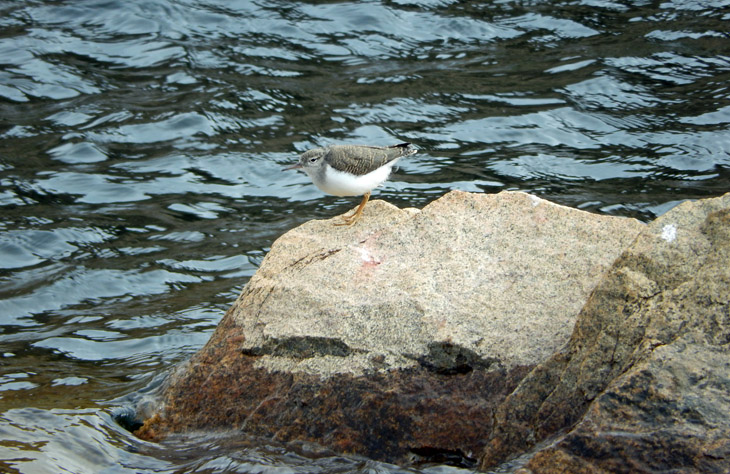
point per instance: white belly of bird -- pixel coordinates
(339, 183)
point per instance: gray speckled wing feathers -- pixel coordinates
(361, 159)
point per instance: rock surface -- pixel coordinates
(400, 334)
(500, 278)
(644, 384)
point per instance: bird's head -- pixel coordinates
(309, 160)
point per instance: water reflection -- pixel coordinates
(141, 147)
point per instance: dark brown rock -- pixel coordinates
(644, 384)
(382, 416)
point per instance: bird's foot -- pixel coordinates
(352, 218)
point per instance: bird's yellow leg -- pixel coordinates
(351, 219)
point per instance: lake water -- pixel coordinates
(142, 146)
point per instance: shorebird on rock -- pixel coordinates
(351, 170)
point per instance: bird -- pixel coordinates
(351, 170)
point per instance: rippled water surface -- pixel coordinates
(142, 146)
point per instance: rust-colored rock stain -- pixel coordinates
(384, 416)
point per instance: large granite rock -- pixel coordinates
(400, 334)
(644, 383)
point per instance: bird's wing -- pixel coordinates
(361, 159)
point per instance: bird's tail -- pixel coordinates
(406, 148)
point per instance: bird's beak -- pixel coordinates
(295, 166)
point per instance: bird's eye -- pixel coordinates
(312, 160)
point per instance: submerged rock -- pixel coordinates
(399, 336)
(644, 384)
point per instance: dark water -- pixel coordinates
(141, 147)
